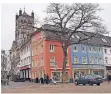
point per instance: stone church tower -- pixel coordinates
(23, 28)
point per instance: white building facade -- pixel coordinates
(107, 59)
(25, 61)
(5, 63)
(107, 54)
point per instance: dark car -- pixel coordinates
(89, 79)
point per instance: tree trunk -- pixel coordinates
(64, 67)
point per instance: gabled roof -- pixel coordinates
(96, 40)
(25, 14)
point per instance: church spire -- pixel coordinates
(32, 14)
(20, 12)
(24, 9)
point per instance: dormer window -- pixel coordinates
(77, 36)
(72, 36)
(104, 40)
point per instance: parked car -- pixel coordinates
(89, 79)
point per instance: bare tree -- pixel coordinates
(71, 19)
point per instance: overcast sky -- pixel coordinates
(8, 12)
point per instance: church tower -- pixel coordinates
(24, 23)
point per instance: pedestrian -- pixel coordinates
(7, 80)
(41, 80)
(54, 80)
(108, 78)
(47, 80)
(37, 80)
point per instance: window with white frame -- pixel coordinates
(84, 60)
(105, 51)
(42, 62)
(36, 51)
(27, 60)
(100, 50)
(75, 48)
(72, 36)
(35, 62)
(67, 50)
(52, 61)
(104, 40)
(91, 60)
(96, 60)
(51, 48)
(32, 52)
(26, 48)
(106, 60)
(90, 49)
(83, 48)
(41, 48)
(100, 60)
(32, 63)
(95, 49)
(77, 36)
(75, 60)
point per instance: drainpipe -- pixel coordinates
(30, 59)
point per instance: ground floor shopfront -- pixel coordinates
(57, 74)
(108, 70)
(25, 72)
(82, 70)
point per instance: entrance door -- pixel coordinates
(57, 76)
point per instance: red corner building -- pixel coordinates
(47, 57)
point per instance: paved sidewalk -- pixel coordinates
(29, 87)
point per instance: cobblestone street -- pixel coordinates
(29, 87)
